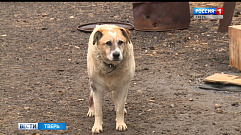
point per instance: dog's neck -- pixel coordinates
(110, 66)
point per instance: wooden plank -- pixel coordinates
(224, 78)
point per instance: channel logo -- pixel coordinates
(208, 13)
(42, 126)
(28, 126)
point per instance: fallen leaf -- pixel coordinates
(153, 101)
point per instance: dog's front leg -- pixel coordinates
(120, 110)
(115, 100)
(97, 97)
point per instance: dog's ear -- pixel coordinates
(97, 37)
(127, 34)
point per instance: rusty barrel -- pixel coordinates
(161, 16)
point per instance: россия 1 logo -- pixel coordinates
(208, 13)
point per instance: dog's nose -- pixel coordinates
(116, 55)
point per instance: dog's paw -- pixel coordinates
(121, 127)
(97, 129)
(91, 113)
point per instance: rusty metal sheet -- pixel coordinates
(161, 16)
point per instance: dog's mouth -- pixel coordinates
(113, 61)
(116, 59)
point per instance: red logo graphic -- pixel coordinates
(219, 11)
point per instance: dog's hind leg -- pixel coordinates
(91, 111)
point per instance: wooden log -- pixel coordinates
(235, 46)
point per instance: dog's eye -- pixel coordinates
(120, 42)
(108, 43)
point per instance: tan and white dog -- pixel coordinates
(111, 66)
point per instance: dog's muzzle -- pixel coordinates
(116, 56)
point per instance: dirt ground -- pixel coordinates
(43, 75)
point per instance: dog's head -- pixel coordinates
(111, 43)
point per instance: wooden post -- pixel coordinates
(228, 9)
(235, 46)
